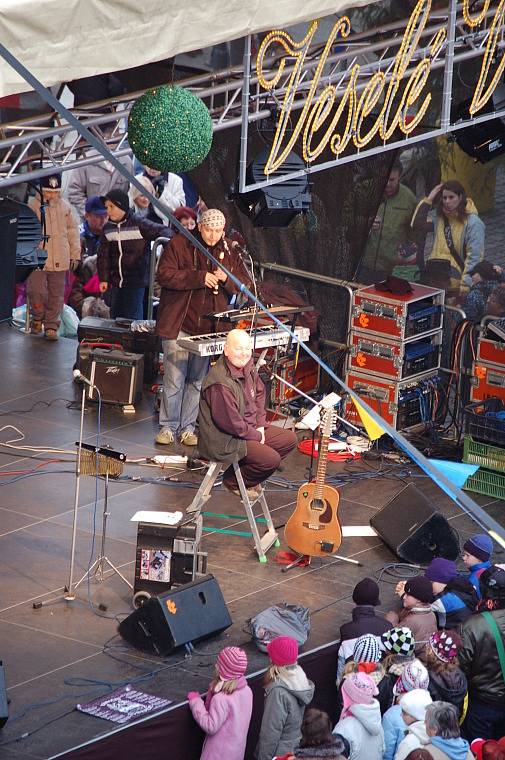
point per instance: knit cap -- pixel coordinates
(441, 570)
(445, 644)
(118, 198)
(52, 182)
(231, 663)
(213, 218)
(366, 592)
(184, 212)
(283, 651)
(415, 702)
(398, 641)
(479, 546)
(414, 676)
(367, 649)
(420, 588)
(358, 689)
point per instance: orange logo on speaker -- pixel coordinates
(363, 320)
(480, 371)
(171, 606)
(361, 359)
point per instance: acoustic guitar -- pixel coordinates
(314, 528)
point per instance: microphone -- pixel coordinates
(80, 377)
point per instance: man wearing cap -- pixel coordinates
(191, 289)
(123, 255)
(46, 288)
(86, 283)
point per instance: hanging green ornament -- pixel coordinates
(170, 129)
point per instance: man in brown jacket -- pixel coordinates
(191, 289)
(46, 287)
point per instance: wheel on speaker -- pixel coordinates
(140, 598)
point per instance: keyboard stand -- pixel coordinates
(261, 543)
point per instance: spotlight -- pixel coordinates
(484, 141)
(274, 205)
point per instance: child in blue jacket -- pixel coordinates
(477, 553)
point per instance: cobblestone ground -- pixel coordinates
(495, 223)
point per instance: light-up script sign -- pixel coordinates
(325, 123)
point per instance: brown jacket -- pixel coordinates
(421, 621)
(64, 243)
(185, 300)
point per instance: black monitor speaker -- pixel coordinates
(486, 140)
(414, 530)
(8, 243)
(185, 614)
(275, 205)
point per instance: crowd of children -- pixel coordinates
(425, 682)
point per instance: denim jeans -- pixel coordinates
(127, 303)
(182, 382)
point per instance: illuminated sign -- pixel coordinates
(327, 122)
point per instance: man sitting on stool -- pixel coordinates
(232, 418)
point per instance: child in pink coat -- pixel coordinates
(226, 713)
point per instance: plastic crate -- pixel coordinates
(483, 454)
(487, 482)
(484, 428)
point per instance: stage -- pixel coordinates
(66, 653)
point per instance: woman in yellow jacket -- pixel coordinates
(46, 287)
(458, 233)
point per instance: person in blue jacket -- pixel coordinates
(477, 552)
(455, 597)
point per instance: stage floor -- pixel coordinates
(64, 653)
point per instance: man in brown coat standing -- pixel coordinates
(191, 289)
(46, 287)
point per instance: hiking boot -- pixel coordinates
(188, 438)
(165, 436)
(36, 327)
(252, 492)
(51, 334)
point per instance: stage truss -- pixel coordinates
(36, 147)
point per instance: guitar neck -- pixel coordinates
(322, 462)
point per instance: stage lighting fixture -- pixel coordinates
(274, 205)
(484, 141)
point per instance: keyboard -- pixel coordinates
(498, 327)
(263, 337)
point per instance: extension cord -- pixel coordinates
(163, 461)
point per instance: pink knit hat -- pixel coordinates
(231, 663)
(357, 689)
(283, 650)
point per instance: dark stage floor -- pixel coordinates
(56, 656)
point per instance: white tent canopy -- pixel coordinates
(61, 40)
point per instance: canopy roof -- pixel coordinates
(61, 40)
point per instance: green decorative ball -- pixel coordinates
(170, 129)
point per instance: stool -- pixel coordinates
(261, 543)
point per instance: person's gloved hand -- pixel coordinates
(192, 695)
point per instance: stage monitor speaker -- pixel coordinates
(187, 613)
(4, 708)
(486, 140)
(414, 530)
(8, 244)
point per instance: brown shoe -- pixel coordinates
(51, 334)
(36, 327)
(253, 492)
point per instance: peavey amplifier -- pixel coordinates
(118, 376)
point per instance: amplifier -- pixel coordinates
(305, 376)
(402, 404)
(165, 556)
(491, 351)
(394, 359)
(488, 381)
(96, 330)
(398, 316)
(118, 376)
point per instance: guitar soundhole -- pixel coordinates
(324, 508)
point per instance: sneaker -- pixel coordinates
(36, 327)
(188, 438)
(165, 436)
(51, 335)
